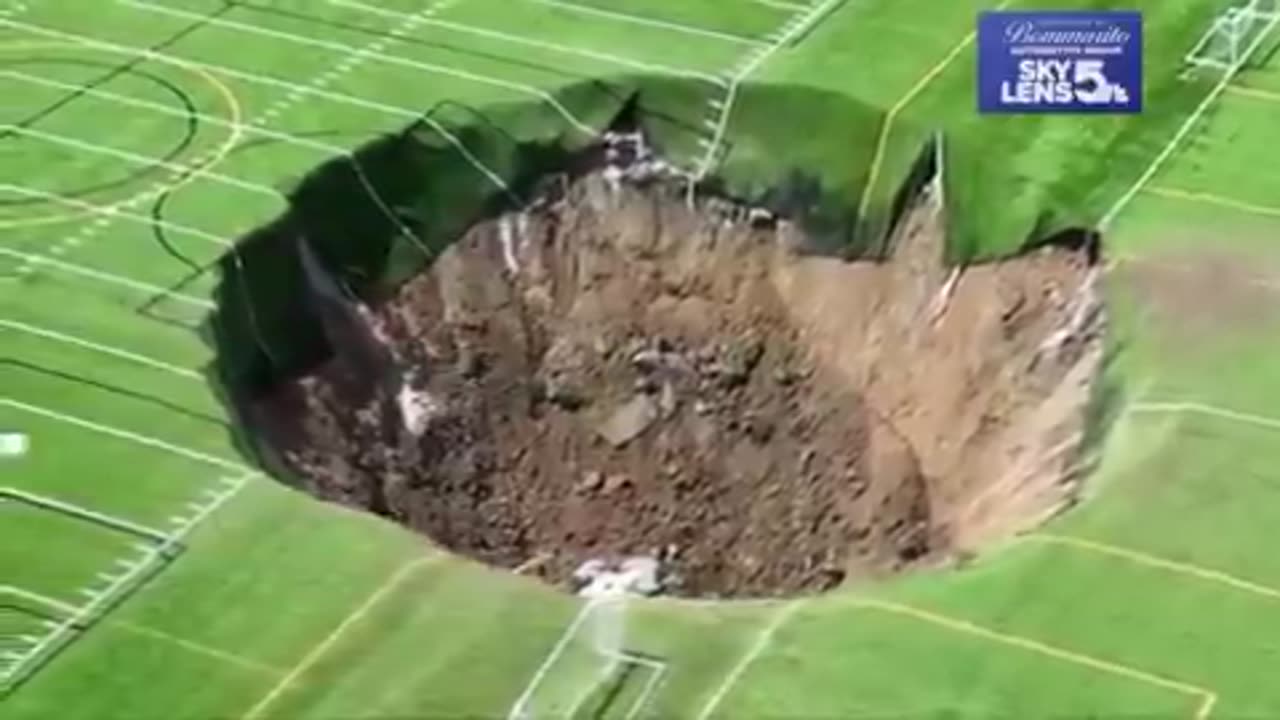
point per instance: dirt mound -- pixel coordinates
(615, 372)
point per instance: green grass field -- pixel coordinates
(140, 137)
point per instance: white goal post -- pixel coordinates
(589, 654)
(1228, 44)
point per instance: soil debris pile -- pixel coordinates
(616, 375)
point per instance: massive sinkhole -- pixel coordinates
(620, 369)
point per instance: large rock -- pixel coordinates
(629, 421)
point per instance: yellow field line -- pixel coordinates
(1207, 697)
(882, 143)
(1254, 93)
(387, 587)
(1181, 568)
(1211, 199)
(235, 118)
(192, 646)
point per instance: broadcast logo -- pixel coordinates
(1060, 62)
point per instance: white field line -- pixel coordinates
(117, 584)
(192, 646)
(178, 168)
(107, 278)
(83, 513)
(542, 44)
(332, 638)
(614, 659)
(98, 598)
(115, 211)
(13, 8)
(758, 647)
(518, 711)
(380, 57)
(139, 159)
(792, 29)
(290, 98)
(656, 671)
(196, 168)
(100, 348)
(129, 435)
(37, 598)
(85, 234)
(268, 81)
(54, 636)
(1228, 75)
(780, 5)
(358, 57)
(649, 22)
(232, 487)
(647, 692)
(1204, 409)
(408, 23)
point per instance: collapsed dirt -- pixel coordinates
(621, 371)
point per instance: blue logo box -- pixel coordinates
(1060, 62)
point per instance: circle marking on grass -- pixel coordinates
(233, 116)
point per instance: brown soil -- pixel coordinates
(616, 373)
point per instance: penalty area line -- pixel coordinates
(1208, 698)
(1154, 561)
(1252, 92)
(1211, 199)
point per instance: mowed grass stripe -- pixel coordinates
(1203, 495)
(489, 633)
(268, 50)
(86, 397)
(291, 570)
(106, 20)
(130, 248)
(129, 674)
(597, 33)
(748, 19)
(148, 134)
(1159, 224)
(106, 314)
(164, 388)
(303, 42)
(133, 483)
(864, 40)
(468, 35)
(851, 659)
(53, 554)
(430, 53)
(1052, 594)
(1231, 155)
(701, 644)
(286, 613)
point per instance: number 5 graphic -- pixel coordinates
(1092, 86)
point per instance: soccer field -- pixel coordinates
(148, 569)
